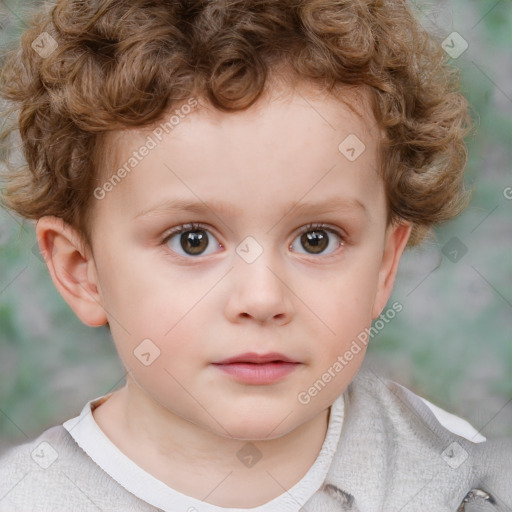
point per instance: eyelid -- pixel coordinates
(191, 226)
(326, 227)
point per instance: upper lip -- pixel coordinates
(253, 357)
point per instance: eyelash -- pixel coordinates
(181, 229)
(309, 227)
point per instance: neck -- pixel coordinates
(199, 463)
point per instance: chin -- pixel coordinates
(255, 426)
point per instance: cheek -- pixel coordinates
(344, 298)
(160, 361)
(148, 313)
(141, 292)
(344, 304)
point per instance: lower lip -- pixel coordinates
(258, 373)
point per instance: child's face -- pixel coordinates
(216, 296)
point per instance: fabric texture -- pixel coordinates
(391, 453)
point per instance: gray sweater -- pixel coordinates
(393, 455)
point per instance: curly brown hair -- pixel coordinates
(124, 63)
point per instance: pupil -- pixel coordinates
(316, 240)
(197, 241)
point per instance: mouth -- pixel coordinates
(254, 358)
(257, 369)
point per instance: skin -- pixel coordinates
(181, 416)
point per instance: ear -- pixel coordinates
(395, 242)
(72, 269)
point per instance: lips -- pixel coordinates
(257, 369)
(253, 357)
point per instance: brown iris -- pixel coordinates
(194, 242)
(317, 239)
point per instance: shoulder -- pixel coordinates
(454, 423)
(417, 438)
(53, 473)
(41, 452)
(26, 470)
(402, 405)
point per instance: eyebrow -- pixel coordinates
(329, 205)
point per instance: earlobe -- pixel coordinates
(396, 240)
(72, 269)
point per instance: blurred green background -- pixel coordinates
(451, 343)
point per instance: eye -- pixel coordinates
(315, 238)
(193, 239)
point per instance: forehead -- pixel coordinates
(294, 143)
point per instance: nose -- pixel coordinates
(259, 291)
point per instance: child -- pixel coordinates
(299, 147)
